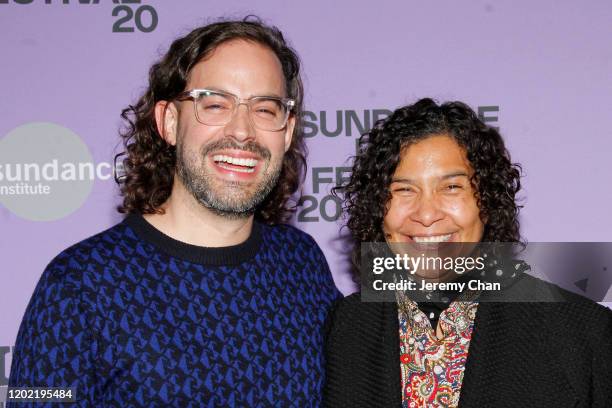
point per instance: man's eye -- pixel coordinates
(454, 187)
(265, 111)
(214, 107)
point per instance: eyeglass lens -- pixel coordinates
(218, 109)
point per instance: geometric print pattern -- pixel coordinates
(130, 325)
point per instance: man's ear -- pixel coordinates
(166, 120)
(289, 132)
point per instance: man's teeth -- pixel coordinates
(434, 239)
(248, 163)
(237, 169)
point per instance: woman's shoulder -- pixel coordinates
(351, 314)
(353, 305)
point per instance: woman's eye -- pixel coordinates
(402, 190)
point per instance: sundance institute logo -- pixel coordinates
(46, 171)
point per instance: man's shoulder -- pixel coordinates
(294, 250)
(96, 249)
(287, 232)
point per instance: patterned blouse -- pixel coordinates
(432, 368)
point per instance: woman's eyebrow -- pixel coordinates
(402, 180)
(443, 177)
(455, 174)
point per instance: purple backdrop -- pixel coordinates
(538, 70)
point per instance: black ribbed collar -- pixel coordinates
(231, 255)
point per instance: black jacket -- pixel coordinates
(521, 355)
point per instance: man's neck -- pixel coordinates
(186, 220)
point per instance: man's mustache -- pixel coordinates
(250, 146)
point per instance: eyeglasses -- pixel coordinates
(216, 108)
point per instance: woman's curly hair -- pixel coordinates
(496, 178)
(149, 165)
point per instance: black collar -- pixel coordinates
(231, 255)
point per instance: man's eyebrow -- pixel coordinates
(213, 88)
(217, 89)
(268, 95)
(443, 177)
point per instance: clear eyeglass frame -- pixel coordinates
(196, 94)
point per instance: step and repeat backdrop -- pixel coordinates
(539, 71)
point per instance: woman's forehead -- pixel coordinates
(437, 155)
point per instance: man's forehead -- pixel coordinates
(240, 66)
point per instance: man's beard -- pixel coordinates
(230, 199)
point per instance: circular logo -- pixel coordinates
(46, 171)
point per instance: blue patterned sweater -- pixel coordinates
(131, 317)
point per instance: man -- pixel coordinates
(199, 297)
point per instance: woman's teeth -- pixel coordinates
(432, 239)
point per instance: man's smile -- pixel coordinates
(241, 165)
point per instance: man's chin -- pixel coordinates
(231, 206)
(231, 199)
(231, 214)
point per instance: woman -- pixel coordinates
(437, 173)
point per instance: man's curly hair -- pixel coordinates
(496, 178)
(150, 162)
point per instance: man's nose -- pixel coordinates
(240, 127)
(427, 211)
